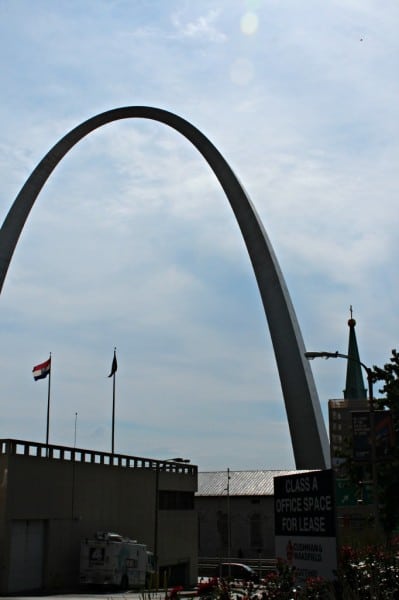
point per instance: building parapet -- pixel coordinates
(13, 447)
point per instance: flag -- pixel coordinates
(114, 366)
(41, 371)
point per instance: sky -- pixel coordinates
(132, 243)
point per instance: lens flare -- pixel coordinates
(249, 23)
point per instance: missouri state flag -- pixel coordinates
(41, 371)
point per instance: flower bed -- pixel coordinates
(368, 574)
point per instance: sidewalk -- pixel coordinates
(160, 595)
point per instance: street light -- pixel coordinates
(311, 356)
(227, 489)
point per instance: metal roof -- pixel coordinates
(242, 483)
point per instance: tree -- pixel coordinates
(388, 468)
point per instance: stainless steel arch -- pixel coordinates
(308, 433)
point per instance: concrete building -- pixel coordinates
(236, 513)
(52, 497)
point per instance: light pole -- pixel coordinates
(369, 373)
(228, 527)
(228, 518)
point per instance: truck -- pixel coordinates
(114, 560)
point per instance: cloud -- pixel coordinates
(204, 26)
(132, 244)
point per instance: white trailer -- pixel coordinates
(111, 559)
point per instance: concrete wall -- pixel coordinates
(3, 504)
(64, 501)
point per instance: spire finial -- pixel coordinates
(351, 321)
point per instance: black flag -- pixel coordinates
(114, 366)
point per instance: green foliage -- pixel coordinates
(388, 469)
(371, 573)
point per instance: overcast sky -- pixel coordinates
(132, 243)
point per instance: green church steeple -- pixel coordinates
(354, 386)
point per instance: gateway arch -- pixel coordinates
(306, 424)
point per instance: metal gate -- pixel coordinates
(26, 555)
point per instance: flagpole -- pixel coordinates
(113, 412)
(41, 371)
(114, 368)
(48, 407)
(74, 437)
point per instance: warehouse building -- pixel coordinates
(236, 513)
(52, 497)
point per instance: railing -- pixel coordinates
(207, 566)
(66, 453)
